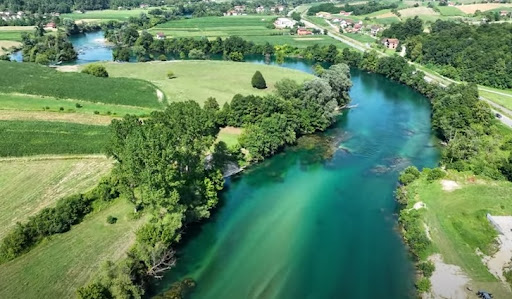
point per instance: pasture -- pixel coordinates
(26, 138)
(28, 78)
(13, 33)
(252, 28)
(30, 184)
(450, 11)
(59, 265)
(198, 80)
(107, 14)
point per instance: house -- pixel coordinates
(280, 8)
(304, 31)
(231, 12)
(336, 20)
(390, 43)
(239, 8)
(357, 27)
(346, 23)
(504, 13)
(374, 30)
(143, 6)
(50, 25)
(282, 23)
(160, 36)
(345, 13)
(324, 15)
(260, 9)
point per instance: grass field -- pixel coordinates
(498, 99)
(58, 266)
(472, 8)
(450, 11)
(24, 138)
(28, 185)
(28, 78)
(363, 38)
(24, 102)
(198, 80)
(229, 135)
(458, 224)
(13, 33)
(253, 28)
(107, 14)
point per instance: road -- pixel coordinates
(429, 77)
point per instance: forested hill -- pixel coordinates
(63, 6)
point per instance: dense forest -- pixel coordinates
(479, 54)
(359, 9)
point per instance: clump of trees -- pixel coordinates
(360, 9)
(46, 48)
(96, 70)
(258, 81)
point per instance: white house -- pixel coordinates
(282, 23)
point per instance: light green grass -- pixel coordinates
(107, 14)
(24, 138)
(450, 11)
(458, 224)
(58, 266)
(28, 185)
(23, 102)
(12, 35)
(29, 78)
(498, 99)
(363, 38)
(198, 80)
(229, 136)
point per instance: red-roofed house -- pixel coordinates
(390, 43)
(304, 31)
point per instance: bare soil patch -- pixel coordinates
(449, 185)
(448, 281)
(7, 44)
(417, 11)
(88, 119)
(67, 68)
(471, 8)
(231, 130)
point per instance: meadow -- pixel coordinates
(107, 14)
(30, 184)
(13, 33)
(450, 11)
(253, 28)
(459, 221)
(67, 261)
(27, 78)
(24, 138)
(198, 80)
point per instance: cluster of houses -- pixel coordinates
(238, 10)
(9, 16)
(283, 23)
(328, 16)
(273, 9)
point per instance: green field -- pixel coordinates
(229, 135)
(13, 33)
(24, 138)
(198, 80)
(253, 28)
(363, 38)
(458, 219)
(28, 185)
(450, 11)
(498, 99)
(107, 14)
(61, 264)
(23, 102)
(28, 78)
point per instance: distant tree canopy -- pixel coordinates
(411, 27)
(360, 9)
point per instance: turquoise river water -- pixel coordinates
(318, 220)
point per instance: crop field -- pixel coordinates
(472, 8)
(24, 102)
(24, 138)
(27, 78)
(417, 11)
(13, 33)
(469, 204)
(107, 14)
(450, 11)
(30, 184)
(198, 80)
(67, 261)
(253, 28)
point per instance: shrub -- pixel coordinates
(427, 268)
(61, 109)
(171, 75)
(42, 59)
(409, 175)
(95, 70)
(78, 105)
(258, 81)
(111, 219)
(423, 285)
(162, 57)
(435, 174)
(96, 112)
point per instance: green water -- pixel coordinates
(317, 221)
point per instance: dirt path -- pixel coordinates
(448, 281)
(88, 119)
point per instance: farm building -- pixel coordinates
(160, 36)
(304, 31)
(260, 9)
(345, 13)
(390, 43)
(50, 25)
(375, 29)
(282, 23)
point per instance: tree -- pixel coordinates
(42, 59)
(170, 75)
(95, 70)
(196, 54)
(338, 77)
(258, 81)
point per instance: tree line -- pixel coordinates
(47, 48)
(356, 9)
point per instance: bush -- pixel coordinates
(96, 112)
(435, 174)
(42, 59)
(61, 109)
(162, 57)
(258, 81)
(427, 268)
(409, 175)
(95, 70)
(111, 219)
(171, 75)
(78, 105)
(423, 285)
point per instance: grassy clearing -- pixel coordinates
(28, 185)
(24, 102)
(458, 224)
(198, 80)
(229, 135)
(24, 138)
(13, 33)
(58, 266)
(107, 14)
(450, 11)
(498, 99)
(363, 38)
(253, 28)
(28, 78)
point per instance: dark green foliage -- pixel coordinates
(401, 196)
(423, 285)
(427, 268)
(414, 233)
(258, 81)
(33, 79)
(357, 10)
(409, 175)
(121, 54)
(24, 138)
(47, 48)
(435, 174)
(178, 290)
(506, 168)
(95, 70)
(111, 219)
(411, 27)
(94, 291)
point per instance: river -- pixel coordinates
(318, 220)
